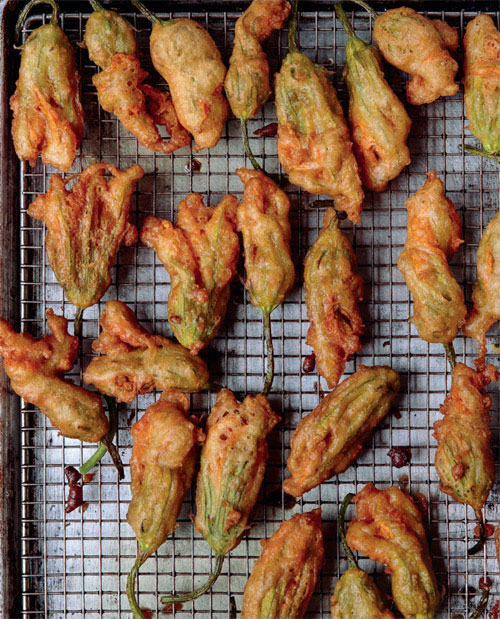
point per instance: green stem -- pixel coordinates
(483, 603)
(77, 323)
(293, 41)
(339, 9)
(321, 204)
(96, 6)
(54, 18)
(482, 153)
(233, 611)
(246, 144)
(451, 355)
(146, 12)
(268, 382)
(481, 541)
(132, 600)
(341, 527)
(367, 8)
(192, 595)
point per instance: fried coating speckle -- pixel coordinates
(283, 579)
(36, 369)
(137, 362)
(329, 439)
(356, 597)
(464, 456)
(421, 47)
(388, 528)
(333, 289)
(434, 232)
(200, 253)
(247, 80)
(86, 226)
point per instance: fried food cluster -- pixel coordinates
(86, 226)
(48, 115)
(356, 596)
(329, 439)
(263, 221)
(36, 369)
(486, 291)
(314, 145)
(283, 579)
(233, 461)
(464, 456)
(333, 289)
(188, 59)
(137, 362)
(388, 528)
(421, 47)
(200, 253)
(434, 232)
(482, 81)
(247, 80)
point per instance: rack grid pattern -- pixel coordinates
(76, 564)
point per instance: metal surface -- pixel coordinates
(76, 565)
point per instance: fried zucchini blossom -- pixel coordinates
(283, 579)
(187, 58)
(328, 440)
(36, 370)
(200, 254)
(164, 455)
(48, 115)
(134, 361)
(232, 466)
(356, 595)
(314, 145)
(379, 122)
(140, 108)
(333, 289)
(434, 232)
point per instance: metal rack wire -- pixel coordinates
(76, 565)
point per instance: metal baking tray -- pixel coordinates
(58, 565)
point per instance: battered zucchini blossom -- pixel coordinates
(482, 81)
(86, 226)
(434, 232)
(283, 579)
(464, 457)
(388, 528)
(48, 116)
(200, 253)
(247, 80)
(135, 361)
(329, 439)
(421, 47)
(333, 289)
(36, 370)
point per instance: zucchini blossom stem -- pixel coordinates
(192, 595)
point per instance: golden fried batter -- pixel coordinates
(283, 579)
(482, 81)
(421, 47)
(86, 226)
(314, 146)
(434, 231)
(356, 597)
(388, 528)
(247, 80)
(264, 224)
(108, 33)
(36, 369)
(200, 253)
(464, 456)
(333, 290)
(138, 362)
(328, 440)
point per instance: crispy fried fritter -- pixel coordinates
(283, 579)
(434, 231)
(247, 80)
(138, 362)
(233, 461)
(264, 224)
(36, 369)
(329, 439)
(48, 116)
(356, 596)
(388, 528)
(108, 33)
(421, 47)
(333, 289)
(314, 145)
(200, 253)
(86, 226)
(464, 456)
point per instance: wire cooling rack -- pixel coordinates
(76, 564)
